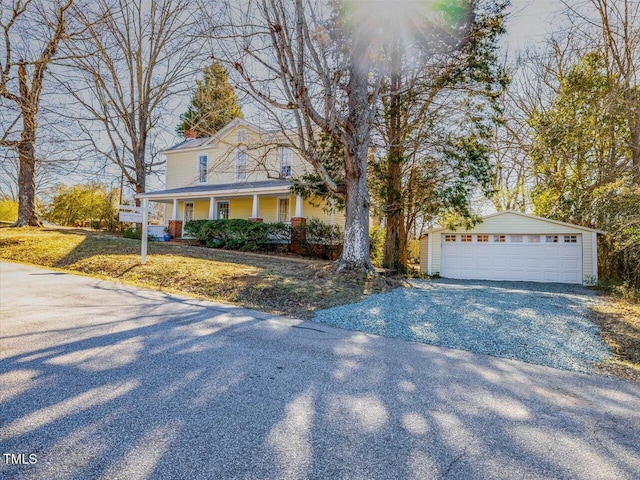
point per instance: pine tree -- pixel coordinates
(214, 104)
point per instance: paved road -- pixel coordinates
(101, 380)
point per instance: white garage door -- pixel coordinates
(535, 258)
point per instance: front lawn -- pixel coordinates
(619, 320)
(284, 285)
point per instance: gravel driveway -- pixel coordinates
(545, 324)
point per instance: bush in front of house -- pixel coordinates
(132, 232)
(238, 234)
(193, 228)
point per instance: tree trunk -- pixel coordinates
(355, 252)
(395, 246)
(27, 215)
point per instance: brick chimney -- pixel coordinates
(190, 134)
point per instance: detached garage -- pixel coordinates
(513, 246)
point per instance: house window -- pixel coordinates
(499, 238)
(241, 165)
(552, 238)
(466, 238)
(202, 168)
(188, 212)
(533, 238)
(570, 239)
(483, 238)
(449, 238)
(516, 238)
(223, 210)
(285, 162)
(242, 135)
(283, 210)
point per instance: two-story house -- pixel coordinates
(240, 172)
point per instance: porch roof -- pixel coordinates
(225, 189)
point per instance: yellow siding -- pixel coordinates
(269, 209)
(262, 161)
(240, 207)
(200, 209)
(509, 223)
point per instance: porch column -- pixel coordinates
(298, 213)
(255, 209)
(212, 208)
(174, 215)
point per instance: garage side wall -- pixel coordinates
(424, 259)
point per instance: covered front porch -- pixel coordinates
(268, 201)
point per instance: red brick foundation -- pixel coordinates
(254, 219)
(175, 228)
(298, 235)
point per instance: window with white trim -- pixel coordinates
(449, 238)
(241, 165)
(533, 238)
(551, 238)
(466, 238)
(223, 210)
(286, 156)
(202, 168)
(570, 239)
(516, 238)
(283, 210)
(483, 238)
(188, 212)
(242, 135)
(499, 238)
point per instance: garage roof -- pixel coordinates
(528, 216)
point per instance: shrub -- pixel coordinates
(238, 234)
(193, 227)
(132, 232)
(376, 245)
(318, 233)
(8, 210)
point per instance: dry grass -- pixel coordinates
(284, 285)
(619, 320)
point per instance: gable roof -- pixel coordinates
(528, 216)
(194, 143)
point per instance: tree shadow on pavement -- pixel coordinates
(154, 386)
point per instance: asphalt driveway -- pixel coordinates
(545, 324)
(100, 380)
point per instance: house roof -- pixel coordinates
(525, 215)
(237, 188)
(203, 141)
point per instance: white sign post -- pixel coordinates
(133, 214)
(145, 229)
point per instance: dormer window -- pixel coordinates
(285, 162)
(202, 168)
(242, 136)
(241, 165)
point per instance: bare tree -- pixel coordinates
(312, 70)
(32, 31)
(620, 30)
(135, 57)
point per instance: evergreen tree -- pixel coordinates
(214, 104)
